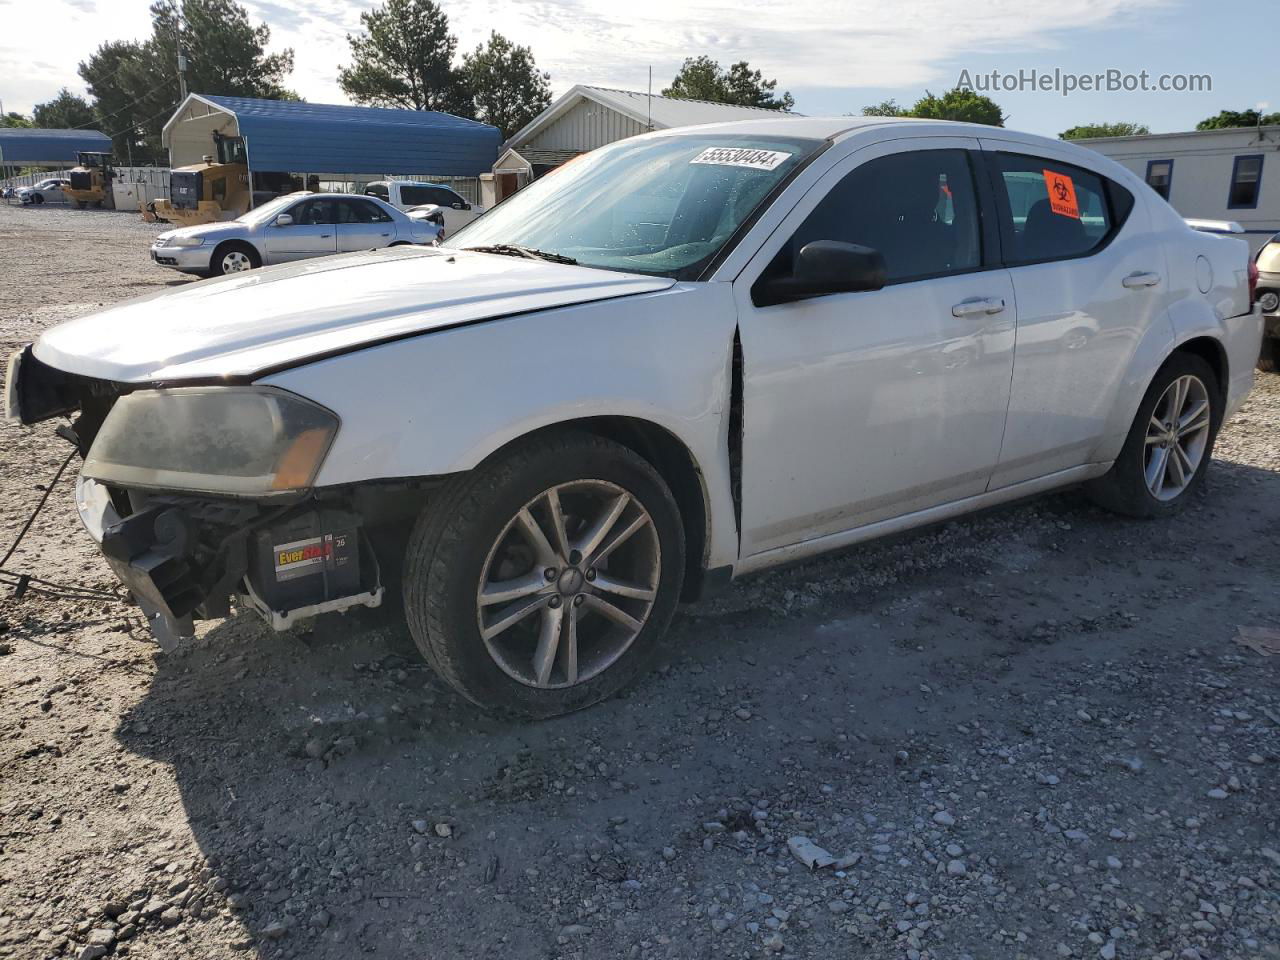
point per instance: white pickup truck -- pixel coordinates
(411, 195)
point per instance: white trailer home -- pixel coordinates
(1231, 174)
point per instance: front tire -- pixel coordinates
(541, 582)
(37, 198)
(1169, 446)
(234, 258)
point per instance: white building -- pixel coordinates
(1231, 174)
(588, 117)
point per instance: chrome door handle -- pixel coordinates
(1137, 280)
(325, 236)
(985, 305)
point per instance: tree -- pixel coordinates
(66, 110)
(505, 84)
(1238, 118)
(13, 119)
(958, 104)
(1121, 128)
(885, 108)
(404, 58)
(135, 85)
(701, 78)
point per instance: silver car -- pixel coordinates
(294, 227)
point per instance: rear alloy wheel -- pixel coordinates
(1169, 446)
(541, 582)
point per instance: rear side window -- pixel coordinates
(1055, 211)
(919, 209)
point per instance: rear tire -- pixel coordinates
(1269, 357)
(589, 619)
(234, 257)
(1160, 467)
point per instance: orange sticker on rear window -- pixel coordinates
(1062, 194)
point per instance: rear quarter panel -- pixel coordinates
(442, 402)
(1209, 275)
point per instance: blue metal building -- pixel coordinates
(295, 137)
(34, 147)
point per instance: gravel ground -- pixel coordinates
(1030, 733)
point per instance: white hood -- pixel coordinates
(241, 325)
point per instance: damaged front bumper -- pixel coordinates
(185, 557)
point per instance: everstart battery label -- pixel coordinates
(303, 557)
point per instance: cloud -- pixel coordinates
(805, 44)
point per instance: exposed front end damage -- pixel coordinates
(185, 558)
(186, 555)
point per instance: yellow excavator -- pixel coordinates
(91, 181)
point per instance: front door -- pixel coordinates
(363, 225)
(860, 407)
(1090, 283)
(313, 232)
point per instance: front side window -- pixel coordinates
(1160, 176)
(1246, 181)
(1055, 211)
(665, 206)
(919, 209)
(312, 213)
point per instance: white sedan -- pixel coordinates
(692, 355)
(46, 191)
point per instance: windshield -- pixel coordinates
(267, 210)
(663, 206)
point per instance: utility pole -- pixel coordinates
(182, 56)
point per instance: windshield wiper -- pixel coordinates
(517, 250)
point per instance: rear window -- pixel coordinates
(1055, 211)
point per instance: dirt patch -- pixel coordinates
(1025, 734)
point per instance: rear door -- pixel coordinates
(313, 232)
(362, 225)
(1089, 280)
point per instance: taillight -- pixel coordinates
(1253, 282)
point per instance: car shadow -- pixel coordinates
(350, 802)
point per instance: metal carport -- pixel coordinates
(36, 147)
(291, 136)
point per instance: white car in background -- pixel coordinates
(298, 226)
(691, 355)
(425, 200)
(46, 191)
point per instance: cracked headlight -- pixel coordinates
(244, 441)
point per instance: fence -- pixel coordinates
(152, 183)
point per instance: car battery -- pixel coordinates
(309, 559)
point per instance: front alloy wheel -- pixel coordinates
(540, 582)
(569, 584)
(235, 261)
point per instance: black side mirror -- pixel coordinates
(459, 205)
(823, 267)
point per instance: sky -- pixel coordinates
(834, 56)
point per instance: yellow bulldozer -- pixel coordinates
(91, 181)
(215, 189)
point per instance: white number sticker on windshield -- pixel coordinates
(742, 157)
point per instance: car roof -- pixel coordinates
(843, 128)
